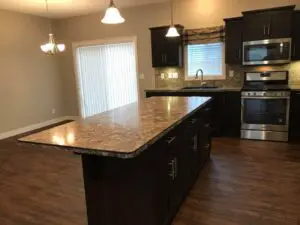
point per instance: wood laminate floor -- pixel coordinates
(245, 183)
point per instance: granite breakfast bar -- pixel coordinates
(140, 160)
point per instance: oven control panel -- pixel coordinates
(271, 94)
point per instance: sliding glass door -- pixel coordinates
(106, 76)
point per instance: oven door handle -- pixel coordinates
(250, 97)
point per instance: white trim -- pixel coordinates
(112, 40)
(205, 77)
(35, 126)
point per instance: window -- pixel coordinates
(209, 58)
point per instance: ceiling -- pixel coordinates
(67, 8)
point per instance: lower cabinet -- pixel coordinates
(186, 150)
(295, 116)
(149, 188)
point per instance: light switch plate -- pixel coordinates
(142, 76)
(231, 73)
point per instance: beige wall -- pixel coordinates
(30, 85)
(190, 13)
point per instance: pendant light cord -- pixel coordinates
(47, 10)
(171, 4)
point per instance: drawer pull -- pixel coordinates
(207, 125)
(207, 109)
(170, 140)
(192, 121)
(207, 146)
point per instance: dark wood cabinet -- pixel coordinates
(233, 41)
(296, 36)
(268, 24)
(166, 51)
(295, 116)
(231, 109)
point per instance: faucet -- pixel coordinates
(197, 74)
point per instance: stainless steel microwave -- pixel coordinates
(266, 52)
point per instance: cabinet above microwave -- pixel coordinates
(271, 23)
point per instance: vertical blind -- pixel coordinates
(107, 77)
(207, 57)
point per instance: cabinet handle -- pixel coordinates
(170, 140)
(172, 164)
(264, 29)
(195, 145)
(240, 53)
(175, 167)
(162, 58)
(269, 29)
(166, 58)
(207, 109)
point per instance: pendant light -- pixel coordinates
(172, 32)
(112, 15)
(51, 48)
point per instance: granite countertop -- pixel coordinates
(194, 89)
(123, 132)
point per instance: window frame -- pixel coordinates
(205, 77)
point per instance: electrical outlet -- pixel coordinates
(162, 76)
(142, 76)
(231, 73)
(53, 111)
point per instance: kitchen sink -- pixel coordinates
(201, 87)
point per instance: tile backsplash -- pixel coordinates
(235, 81)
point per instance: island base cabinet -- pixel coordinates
(123, 191)
(149, 188)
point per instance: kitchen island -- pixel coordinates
(140, 160)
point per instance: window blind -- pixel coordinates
(207, 57)
(106, 76)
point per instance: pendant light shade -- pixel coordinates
(51, 48)
(172, 32)
(112, 15)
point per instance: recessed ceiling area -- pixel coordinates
(67, 8)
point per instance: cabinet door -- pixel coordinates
(255, 26)
(296, 37)
(232, 114)
(233, 42)
(205, 138)
(294, 115)
(174, 52)
(172, 145)
(158, 47)
(281, 24)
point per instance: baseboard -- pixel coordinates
(35, 126)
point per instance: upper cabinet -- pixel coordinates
(268, 24)
(166, 51)
(233, 40)
(296, 36)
